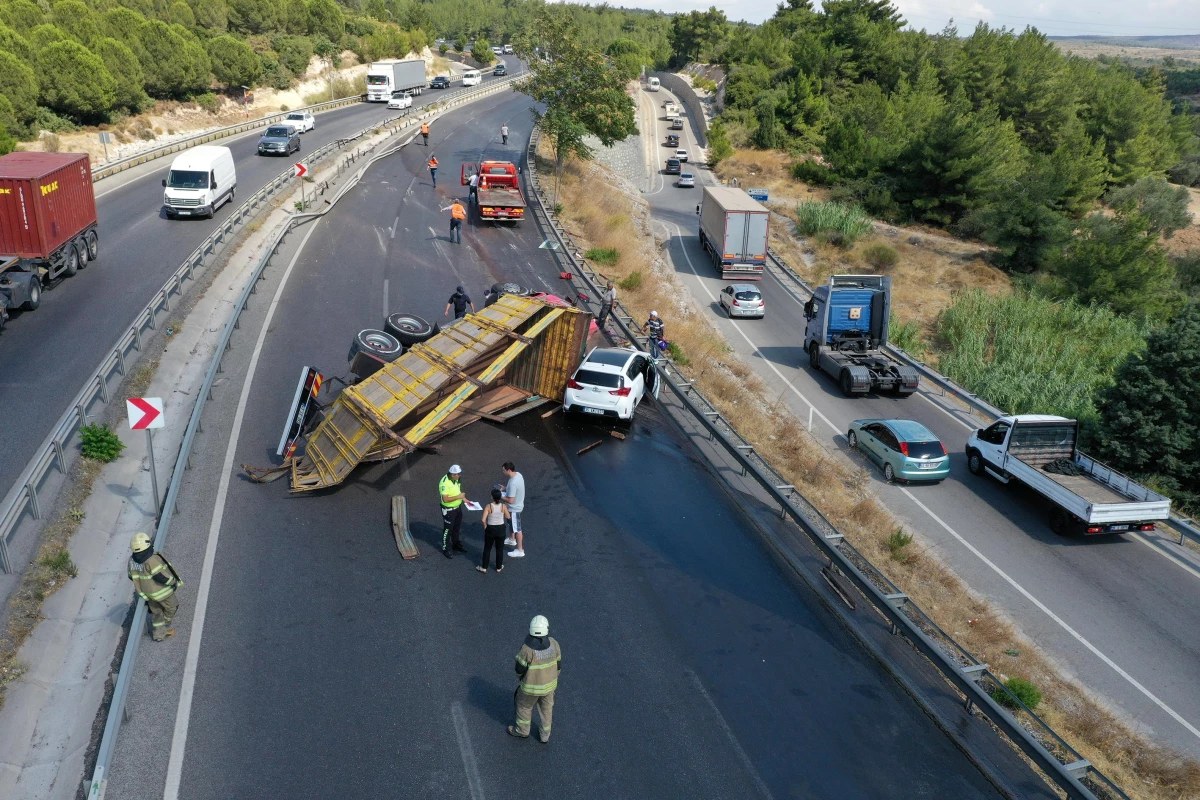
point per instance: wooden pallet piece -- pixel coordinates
(404, 541)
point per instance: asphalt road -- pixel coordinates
(692, 665)
(1101, 606)
(47, 355)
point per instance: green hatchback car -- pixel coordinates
(904, 450)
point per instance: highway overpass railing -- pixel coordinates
(846, 567)
(116, 709)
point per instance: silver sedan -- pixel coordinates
(743, 300)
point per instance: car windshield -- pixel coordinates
(187, 179)
(609, 357)
(377, 80)
(687, 176)
(590, 377)
(277, 132)
(925, 450)
(295, 116)
(672, 162)
(747, 295)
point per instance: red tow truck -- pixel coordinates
(500, 198)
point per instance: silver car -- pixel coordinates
(743, 300)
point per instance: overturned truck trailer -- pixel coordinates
(515, 351)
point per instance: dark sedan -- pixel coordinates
(440, 82)
(279, 140)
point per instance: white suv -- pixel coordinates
(610, 382)
(400, 100)
(301, 120)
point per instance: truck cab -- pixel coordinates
(499, 195)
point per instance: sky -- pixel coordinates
(1053, 17)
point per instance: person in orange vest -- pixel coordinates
(458, 212)
(425, 132)
(433, 169)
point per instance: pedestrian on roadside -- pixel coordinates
(155, 581)
(452, 496)
(473, 188)
(504, 134)
(514, 497)
(460, 301)
(606, 304)
(495, 514)
(425, 132)
(458, 213)
(657, 331)
(538, 665)
(433, 162)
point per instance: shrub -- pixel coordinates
(631, 281)
(811, 172)
(50, 143)
(677, 355)
(1025, 691)
(880, 255)
(896, 541)
(208, 101)
(100, 443)
(848, 222)
(283, 107)
(603, 255)
(443, 48)
(906, 336)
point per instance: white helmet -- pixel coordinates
(539, 626)
(455, 469)
(654, 313)
(139, 542)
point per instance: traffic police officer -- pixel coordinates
(539, 661)
(450, 492)
(155, 581)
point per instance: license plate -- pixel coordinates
(587, 410)
(181, 211)
(1118, 527)
(501, 213)
(928, 466)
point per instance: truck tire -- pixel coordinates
(35, 295)
(974, 462)
(81, 248)
(409, 329)
(814, 355)
(379, 344)
(93, 245)
(71, 261)
(847, 383)
(1059, 522)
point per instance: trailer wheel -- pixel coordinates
(847, 383)
(35, 295)
(81, 248)
(814, 355)
(72, 261)
(1059, 522)
(377, 343)
(409, 329)
(93, 245)
(975, 463)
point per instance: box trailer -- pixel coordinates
(385, 78)
(47, 224)
(733, 231)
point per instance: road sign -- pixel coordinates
(304, 404)
(301, 170)
(145, 413)
(758, 194)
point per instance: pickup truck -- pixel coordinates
(500, 198)
(1088, 497)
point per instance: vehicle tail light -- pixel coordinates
(945, 452)
(1147, 527)
(904, 448)
(735, 302)
(622, 392)
(1094, 529)
(573, 384)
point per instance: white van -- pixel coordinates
(201, 180)
(652, 84)
(472, 77)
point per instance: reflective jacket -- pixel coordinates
(538, 663)
(153, 579)
(425, 128)
(447, 486)
(457, 211)
(433, 163)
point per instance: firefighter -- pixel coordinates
(155, 581)
(425, 133)
(539, 662)
(433, 162)
(450, 492)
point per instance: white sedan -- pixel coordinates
(681, 154)
(302, 121)
(686, 181)
(401, 100)
(610, 382)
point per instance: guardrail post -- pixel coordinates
(972, 674)
(33, 500)
(58, 456)
(103, 387)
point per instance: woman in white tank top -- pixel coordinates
(494, 515)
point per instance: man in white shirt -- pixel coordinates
(504, 133)
(473, 188)
(514, 496)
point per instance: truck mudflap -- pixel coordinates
(858, 381)
(909, 379)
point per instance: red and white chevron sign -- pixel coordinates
(145, 413)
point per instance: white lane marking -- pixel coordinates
(737, 746)
(183, 713)
(468, 752)
(396, 224)
(382, 244)
(1173, 559)
(385, 298)
(753, 346)
(1059, 620)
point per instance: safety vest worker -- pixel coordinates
(155, 581)
(538, 664)
(457, 211)
(425, 133)
(433, 162)
(451, 496)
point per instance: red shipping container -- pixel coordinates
(46, 199)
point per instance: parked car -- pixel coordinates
(610, 382)
(500, 69)
(681, 154)
(743, 300)
(400, 100)
(905, 450)
(279, 140)
(686, 181)
(677, 124)
(672, 140)
(674, 166)
(440, 82)
(303, 121)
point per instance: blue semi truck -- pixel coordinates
(846, 334)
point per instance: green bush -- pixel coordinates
(676, 355)
(443, 48)
(880, 255)
(843, 224)
(631, 281)
(1025, 691)
(906, 336)
(100, 443)
(46, 120)
(812, 172)
(608, 256)
(896, 541)
(208, 101)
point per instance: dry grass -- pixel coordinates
(602, 212)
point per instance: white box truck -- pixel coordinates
(385, 78)
(1040, 451)
(200, 181)
(733, 231)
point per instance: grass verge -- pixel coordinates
(602, 211)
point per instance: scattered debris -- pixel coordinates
(616, 434)
(404, 540)
(591, 446)
(550, 413)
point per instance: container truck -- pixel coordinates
(847, 332)
(47, 224)
(393, 75)
(499, 197)
(1087, 497)
(733, 231)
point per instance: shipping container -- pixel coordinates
(46, 201)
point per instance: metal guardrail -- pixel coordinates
(116, 710)
(113, 167)
(1065, 767)
(973, 402)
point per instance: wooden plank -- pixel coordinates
(591, 446)
(404, 542)
(550, 413)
